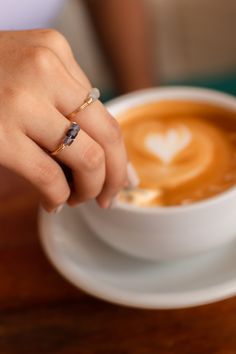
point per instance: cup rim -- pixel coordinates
(154, 94)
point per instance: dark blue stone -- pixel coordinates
(72, 133)
(68, 141)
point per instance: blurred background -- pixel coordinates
(131, 44)
(187, 42)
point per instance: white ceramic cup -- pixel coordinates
(166, 233)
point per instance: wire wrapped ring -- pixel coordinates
(68, 139)
(93, 96)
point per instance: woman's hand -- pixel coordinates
(40, 84)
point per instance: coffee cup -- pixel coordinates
(160, 233)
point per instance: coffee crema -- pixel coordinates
(183, 151)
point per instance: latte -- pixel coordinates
(182, 151)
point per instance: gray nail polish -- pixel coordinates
(59, 209)
(132, 176)
(113, 203)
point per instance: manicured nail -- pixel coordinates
(59, 209)
(113, 203)
(109, 203)
(132, 176)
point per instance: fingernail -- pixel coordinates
(109, 203)
(59, 209)
(113, 203)
(132, 176)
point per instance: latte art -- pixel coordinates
(167, 146)
(182, 151)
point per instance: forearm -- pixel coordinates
(125, 33)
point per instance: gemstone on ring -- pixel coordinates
(71, 134)
(94, 94)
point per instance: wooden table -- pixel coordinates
(42, 313)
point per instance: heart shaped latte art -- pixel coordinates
(167, 145)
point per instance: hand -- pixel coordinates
(40, 84)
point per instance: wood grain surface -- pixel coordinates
(41, 313)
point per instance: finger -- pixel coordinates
(104, 129)
(84, 157)
(31, 162)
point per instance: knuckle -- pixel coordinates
(40, 58)
(114, 132)
(93, 157)
(51, 34)
(54, 38)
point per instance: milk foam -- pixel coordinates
(168, 144)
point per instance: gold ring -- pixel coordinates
(92, 97)
(60, 148)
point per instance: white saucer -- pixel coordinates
(101, 271)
